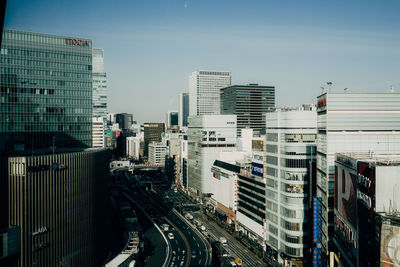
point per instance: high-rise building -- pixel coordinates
(204, 91)
(133, 147)
(98, 132)
(208, 135)
(57, 209)
(99, 85)
(291, 137)
(183, 109)
(152, 133)
(249, 103)
(124, 120)
(351, 122)
(45, 92)
(172, 118)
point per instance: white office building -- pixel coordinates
(290, 145)
(351, 122)
(208, 135)
(157, 153)
(204, 91)
(133, 147)
(98, 132)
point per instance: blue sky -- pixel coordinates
(151, 46)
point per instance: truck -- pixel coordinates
(189, 216)
(223, 241)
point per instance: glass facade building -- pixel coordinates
(99, 85)
(249, 103)
(45, 92)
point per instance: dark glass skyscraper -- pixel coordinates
(249, 103)
(45, 93)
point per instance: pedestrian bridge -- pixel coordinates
(139, 167)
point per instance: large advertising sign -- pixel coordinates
(390, 246)
(366, 186)
(345, 202)
(257, 167)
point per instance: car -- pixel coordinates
(170, 235)
(194, 254)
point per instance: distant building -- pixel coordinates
(351, 122)
(183, 109)
(249, 103)
(172, 118)
(204, 91)
(152, 133)
(157, 153)
(366, 209)
(98, 132)
(99, 85)
(124, 120)
(208, 135)
(133, 147)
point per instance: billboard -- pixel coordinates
(390, 246)
(366, 186)
(345, 201)
(257, 164)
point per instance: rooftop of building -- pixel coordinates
(375, 159)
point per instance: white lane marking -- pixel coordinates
(198, 245)
(193, 238)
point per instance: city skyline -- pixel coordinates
(295, 47)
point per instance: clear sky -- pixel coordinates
(151, 47)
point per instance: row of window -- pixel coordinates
(40, 128)
(13, 80)
(42, 73)
(40, 54)
(26, 100)
(42, 91)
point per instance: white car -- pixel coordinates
(170, 235)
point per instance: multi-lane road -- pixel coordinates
(234, 248)
(188, 247)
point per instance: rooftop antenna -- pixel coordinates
(391, 89)
(345, 90)
(330, 86)
(322, 90)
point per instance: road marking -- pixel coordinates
(198, 245)
(193, 238)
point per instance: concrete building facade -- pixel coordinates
(351, 122)
(290, 146)
(208, 135)
(157, 153)
(204, 91)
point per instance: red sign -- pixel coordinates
(70, 41)
(321, 102)
(118, 133)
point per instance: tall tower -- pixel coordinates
(204, 91)
(183, 109)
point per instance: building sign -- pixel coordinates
(390, 245)
(245, 173)
(40, 231)
(366, 186)
(321, 102)
(316, 221)
(70, 41)
(317, 259)
(118, 133)
(345, 201)
(257, 169)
